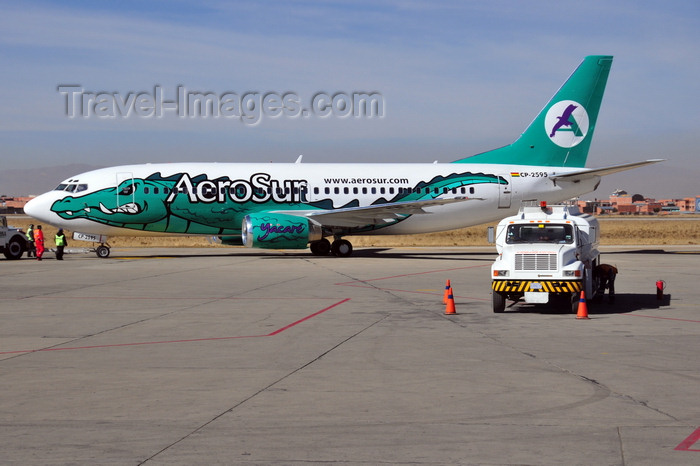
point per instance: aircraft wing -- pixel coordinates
(591, 172)
(372, 215)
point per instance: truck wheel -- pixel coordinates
(14, 248)
(499, 302)
(575, 297)
(102, 252)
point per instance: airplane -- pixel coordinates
(299, 205)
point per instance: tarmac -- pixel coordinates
(238, 356)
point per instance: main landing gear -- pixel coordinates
(102, 251)
(339, 247)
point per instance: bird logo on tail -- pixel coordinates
(564, 119)
(566, 123)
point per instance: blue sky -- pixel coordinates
(457, 78)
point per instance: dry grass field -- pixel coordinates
(639, 230)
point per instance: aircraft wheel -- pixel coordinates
(341, 248)
(321, 247)
(14, 249)
(102, 252)
(499, 302)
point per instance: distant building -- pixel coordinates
(622, 203)
(12, 204)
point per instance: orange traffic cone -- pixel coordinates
(582, 307)
(450, 308)
(447, 289)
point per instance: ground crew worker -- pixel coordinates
(607, 274)
(39, 241)
(30, 241)
(60, 244)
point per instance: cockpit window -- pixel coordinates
(81, 187)
(71, 188)
(540, 233)
(61, 187)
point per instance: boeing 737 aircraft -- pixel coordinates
(292, 206)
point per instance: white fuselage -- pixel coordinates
(339, 185)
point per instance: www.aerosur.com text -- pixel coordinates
(248, 107)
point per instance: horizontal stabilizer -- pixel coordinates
(585, 174)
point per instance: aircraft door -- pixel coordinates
(505, 192)
(126, 194)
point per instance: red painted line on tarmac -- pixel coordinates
(150, 298)
(307, 318)
(118, 345)
(689, 442)
(662, 318)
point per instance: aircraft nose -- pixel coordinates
(40, 208)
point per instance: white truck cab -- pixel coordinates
(545, 252)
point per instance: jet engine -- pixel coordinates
(278, 231)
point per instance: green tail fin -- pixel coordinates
(561, 134)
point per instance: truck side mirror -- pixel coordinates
(491, 238)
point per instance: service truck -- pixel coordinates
(545, 253)
(13, 241)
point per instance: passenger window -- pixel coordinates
(146, 190)
(471, 190)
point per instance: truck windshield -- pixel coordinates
(540, 233)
